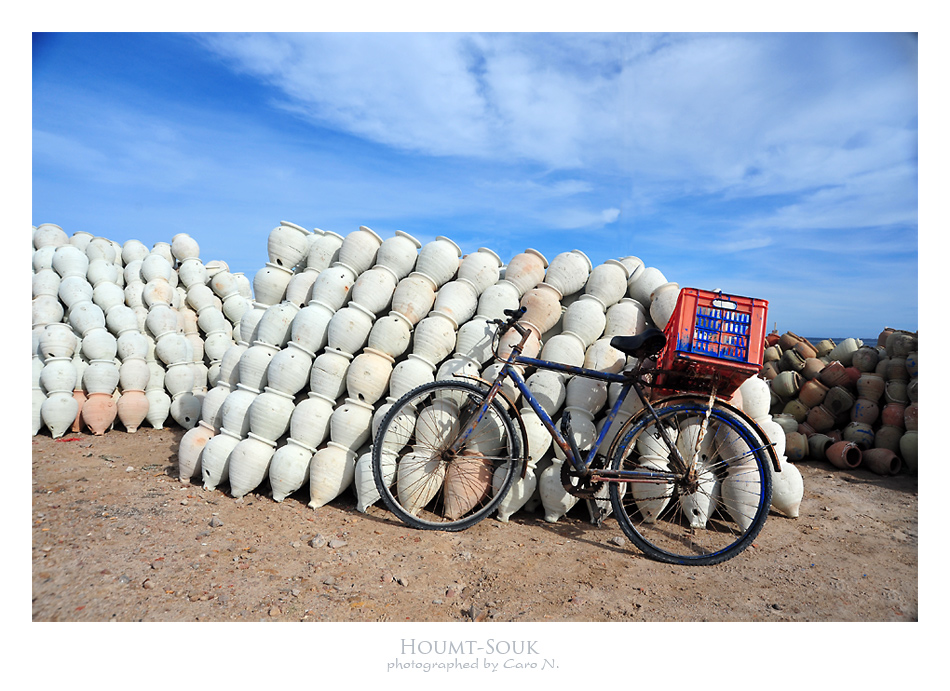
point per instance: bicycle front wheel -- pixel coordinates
(427, 474)
(715, 509)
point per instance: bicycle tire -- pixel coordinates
(707, 521)
(425, 484)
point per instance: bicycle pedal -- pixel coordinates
(597, 513)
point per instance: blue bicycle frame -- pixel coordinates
(581, 465)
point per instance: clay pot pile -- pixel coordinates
(850, 403)
(124, 334)
(341, 326)
(282, 381)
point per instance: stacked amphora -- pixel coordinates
(57, 362)
(172, 348)
(99, 346)
(332, 466)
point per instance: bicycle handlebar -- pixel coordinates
(512, 322)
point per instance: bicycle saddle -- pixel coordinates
(643, 345)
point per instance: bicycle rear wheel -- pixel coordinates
(426, 483)
(705, 517)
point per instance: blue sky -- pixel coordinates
(780, 165)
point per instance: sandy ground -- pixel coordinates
(116, 537)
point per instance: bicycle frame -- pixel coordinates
(581, 465)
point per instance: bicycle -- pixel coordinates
(688, 474)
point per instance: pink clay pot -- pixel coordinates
(844, 454)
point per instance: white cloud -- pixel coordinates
(411, 91)
(739, 116)
(734, 116)
(575, 218)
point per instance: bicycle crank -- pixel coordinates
(581, 486)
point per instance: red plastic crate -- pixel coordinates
(711, 337)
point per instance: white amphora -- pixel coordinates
(738, 493)
(68, 260)
(549, 390)
(522, 488)
(289, 468)
(586, 317)
(367, 378)
(481, 268)
(212, 402)
(365, 483)
(134, 374)
(59, 375)
(608, 281)
(349, 328)
(331, 472)
(99, 344)
(309, 327)
(269, 414)
(159, 405)
(414, 296)
(566, 348)
(434, 337)
(46, 282)
(474, 339)
(556, 500)
(399, 254)
(287, 244)
(275, 324)
(58, 412)
(190, 448)
(270, 283)
(400, 432)
(310, 421)
(234, 410)
(496, 298)
(374, 289)
(414, 371)
(458, 300)
(652, 497)
(214, 458)
(568, 271)
(57, 340)
(253, 365)
(642, 285)
(390, 334)
(73, 290)
(328, 374)
(289, 369)
(351, 423)
(192, 272)
(663, 303)
(248, 464)
(437, 424)
(439, 260)
(788, 488)
(603, 357)
(101, 376)
(359, 249)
